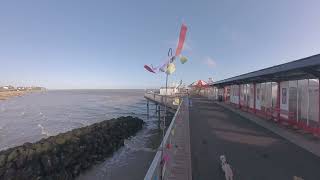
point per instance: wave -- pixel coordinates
(43, 131)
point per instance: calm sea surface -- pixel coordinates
(38, 115)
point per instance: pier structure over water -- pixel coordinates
(266, 123)
(163, 100)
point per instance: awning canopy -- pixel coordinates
(199, 83)
(306, 68)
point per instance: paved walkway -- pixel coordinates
(254, 152)
(298, 137)
(181, 155)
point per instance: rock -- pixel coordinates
(10, 174)
(76, 170)
(3, 159)
(60, 140)
(46, 163)
(30, 154)
(13, 155)
(64, 156)
(2, 171)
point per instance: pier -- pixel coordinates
(266, 129)
(162, 100)
(173, 158)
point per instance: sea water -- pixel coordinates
(39, 115)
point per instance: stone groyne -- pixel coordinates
(65, 155)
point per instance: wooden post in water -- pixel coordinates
(147, 109)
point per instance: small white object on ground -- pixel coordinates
(226, 168)
(297, 178)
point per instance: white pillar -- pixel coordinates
(308, 106)
(297, 101)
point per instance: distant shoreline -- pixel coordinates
(5, 95)
(88, 89)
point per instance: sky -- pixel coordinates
(77, 44)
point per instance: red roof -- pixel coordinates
(200, 83)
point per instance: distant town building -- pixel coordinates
(20, 88)
(6, 88)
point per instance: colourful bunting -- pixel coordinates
(183, 59)
(182, 37)
(149, 69)
(176, 101)
(170, 68)
(166, 158)
(172, 132)
(168, 146)
(163, 67)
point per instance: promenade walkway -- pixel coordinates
(254, 153)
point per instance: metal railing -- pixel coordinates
(161, 99)
(176, 143)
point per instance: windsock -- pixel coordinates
(182, 37)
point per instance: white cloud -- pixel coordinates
(209, 62)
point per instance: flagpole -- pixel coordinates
(165, 115)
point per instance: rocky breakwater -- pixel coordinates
(64, 156)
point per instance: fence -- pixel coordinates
(161, 99)
(174, 154)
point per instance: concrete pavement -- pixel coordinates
(254, 153)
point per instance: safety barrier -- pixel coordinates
(161, 99)
(174, 151)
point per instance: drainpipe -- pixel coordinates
(278, 101)
(319, 106)
(308, 110)
(254, 98)
(239, 87)
(297, 114)
(224, 94)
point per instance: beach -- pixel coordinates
(8, 94)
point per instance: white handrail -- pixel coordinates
(154, 171)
